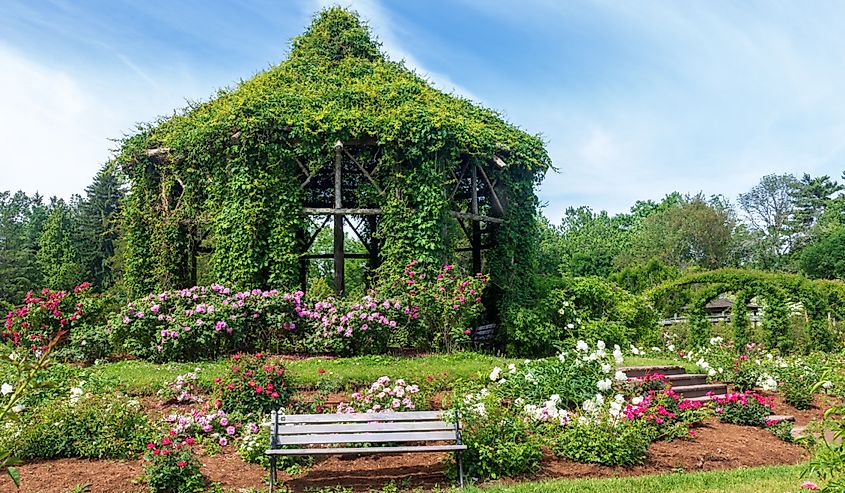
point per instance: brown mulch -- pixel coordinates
(716, 446)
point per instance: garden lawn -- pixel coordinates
(144, 378)
(775, 479)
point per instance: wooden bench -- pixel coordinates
(291, 434)
(484, 334)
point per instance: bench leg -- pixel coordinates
(460, 469)
(272, 472)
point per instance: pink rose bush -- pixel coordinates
(206, 322)
(449, 302)
(747, 408)
(182, 390)
(253, 385)
(383, 396)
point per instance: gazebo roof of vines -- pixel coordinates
(334, 135)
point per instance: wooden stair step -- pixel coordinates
(687, 379)
(639, 371)
(688, 391)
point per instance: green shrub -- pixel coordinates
(253, 385)
(86, 426)
(797, 387)
(500, 444)
(748, 408)
(574, 376)
(609, 443)
(172, 467)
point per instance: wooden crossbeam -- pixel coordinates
(321, 211)
(364, 170)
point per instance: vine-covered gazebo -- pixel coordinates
(236, 189)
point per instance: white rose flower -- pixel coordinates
(620, 376)
(604, 385)
(605, 367)
(637, 400)
(671, 347)
(494, 375)
(562, 357)
(711, 372)
(511, 368)
(7, 389)
(582, 346)
(827, 384)
(18, 408)
(600, 345)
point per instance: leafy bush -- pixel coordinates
(664, 414)
(183, 389)
(748, 408)
(80, 312)
(172, 467)
(86, 426)
(781, 429)
(796, 384)
(382, 396)
(206, 322)
(500, 444)
(607, 442)
(449, 303)
(574, 376)
(253, 385)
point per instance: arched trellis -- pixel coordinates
(778, 290)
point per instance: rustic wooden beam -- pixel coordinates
(316, 233)
(339, 263)
(323, 256)
(364, 170)
(476, 228)
(360, 238)
(499, 161)
(158, 152)
(458, 180)
(322, 211)
(493, 193)
(477, 217)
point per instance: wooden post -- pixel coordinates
(339, 261)
(476, 225)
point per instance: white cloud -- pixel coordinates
(52, 130)
(389, 33)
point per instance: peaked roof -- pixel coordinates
(336, 84)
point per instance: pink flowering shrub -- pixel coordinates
(650, 382)
(383, 397)
(182, 390)
(170, 466)
(210, 425)
(665, 414)
(207, 322)
(449, 303)
(748, 408)
(79, 312)
(253, 385)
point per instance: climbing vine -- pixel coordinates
(221, 183)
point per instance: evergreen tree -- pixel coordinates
(60, 253)
(98, 215)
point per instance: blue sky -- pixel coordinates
(635, 99)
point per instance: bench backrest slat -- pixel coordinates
(360, 417)
(323, 428)
(407, 436)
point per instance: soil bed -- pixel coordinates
(716, 446)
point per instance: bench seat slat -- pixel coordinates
(366, 450)
(408, 436)
(322, 428)
(365, 417)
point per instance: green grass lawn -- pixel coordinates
(144, 378)
(660, 361)
(777, 479)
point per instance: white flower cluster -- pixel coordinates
(548, 411)
(767, 382)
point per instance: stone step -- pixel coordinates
(690, 391)
(687, 379)
(704, 398)
(640, 371)
(781, 417)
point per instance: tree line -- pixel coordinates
(784, 223)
